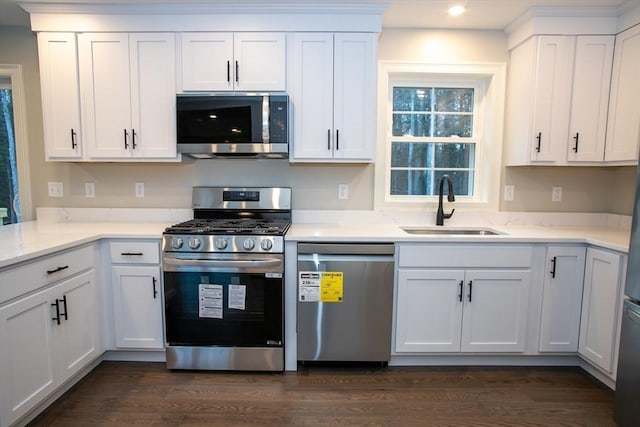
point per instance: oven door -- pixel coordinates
(229, 300)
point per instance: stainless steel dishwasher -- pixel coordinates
(345, 297)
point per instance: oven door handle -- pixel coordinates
(226, 263)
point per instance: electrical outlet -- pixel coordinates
(556, 194)
(89, 189)
(508, 193)
(343, 191)
(56, 189)
(139, 189)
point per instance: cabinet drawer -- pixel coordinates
(135, 252)
(464, 256)
(42, 271)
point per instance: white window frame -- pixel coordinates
(14, 73)
(489, 81)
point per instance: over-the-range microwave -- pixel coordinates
(233, 125)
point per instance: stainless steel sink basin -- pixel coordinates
(451, 231)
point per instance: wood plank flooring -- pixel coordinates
(126, 393)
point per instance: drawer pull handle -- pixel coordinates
(57, 306)
(155, 290)
(64, 304)
(131, 253)
(57, 269)
(553, 267)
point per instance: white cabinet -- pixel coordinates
(482, 308)
(57, 53)
(600, 308)
(557, 100)
(623, 128)
(49, 334)
(127, 84)
(333, 97)
(232, 61)
(562, 299)
(137, 300)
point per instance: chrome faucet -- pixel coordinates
(440, 215)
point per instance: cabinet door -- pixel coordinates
(495, 311)
(28, 372)
(598, 324)
(311, 96)
(429, 310)
(623, 126)
(354, 97)
(590, 98)
(562, 299)
(78, 339)
(552, 90)
(105, 91)
(206, 61)
(259, 61)
(137, 307)
(58, 57)
(153, 95)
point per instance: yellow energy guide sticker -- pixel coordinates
(331, 286)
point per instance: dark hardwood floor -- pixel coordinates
(125, 393)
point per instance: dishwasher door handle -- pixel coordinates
(344, 258)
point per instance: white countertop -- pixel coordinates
(24, 241)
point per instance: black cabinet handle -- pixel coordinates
(337, 139)
(55, 270)
(228, 71)
(470, 289)
(64, 304)
(126, 142)
(553, 267)
(328, 139)
(131, 253)
(576, 138)
(237, 71)
(133, 139)
(155, 290)
(57, 318)
(74, 144)
(539, 138)
(461, 284)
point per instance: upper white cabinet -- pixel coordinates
(562, 299)
(623, 129)
(127, 84)
(232, 61)
(557, 100)
(601, 308)
(58, 57)
(333, 97)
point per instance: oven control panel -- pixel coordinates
(223, 243)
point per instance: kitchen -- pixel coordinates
(585, 189)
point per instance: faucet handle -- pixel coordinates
(448, 215)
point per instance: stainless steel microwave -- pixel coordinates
(233, 125)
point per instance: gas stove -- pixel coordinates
(233, 220)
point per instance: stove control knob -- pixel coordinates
(266, 245)
(221, 244)
(177, 242)
(194, 243)
(248, 244)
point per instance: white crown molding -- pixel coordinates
(629, 15)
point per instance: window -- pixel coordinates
(15, 194)
(435, 120)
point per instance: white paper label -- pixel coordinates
(308, 286)
(210, 301)
(237, 296)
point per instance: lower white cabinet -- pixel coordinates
(137, 297)
(46, 338)
(562, 299)
(601, 308)
(462, 309)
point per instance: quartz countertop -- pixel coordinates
(28, 240)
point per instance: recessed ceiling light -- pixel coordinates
(456, 10)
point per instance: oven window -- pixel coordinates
(223, 309)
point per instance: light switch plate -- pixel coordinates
(139, 188)
(56, 189)
(343, 191)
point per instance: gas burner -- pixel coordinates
(230, 226)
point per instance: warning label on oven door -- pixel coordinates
(210, 301)
(320, 286)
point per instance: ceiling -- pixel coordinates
(481, 14)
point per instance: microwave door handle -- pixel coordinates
(265, 119)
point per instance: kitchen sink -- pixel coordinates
(451, 231)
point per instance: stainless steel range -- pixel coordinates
(223, 280)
